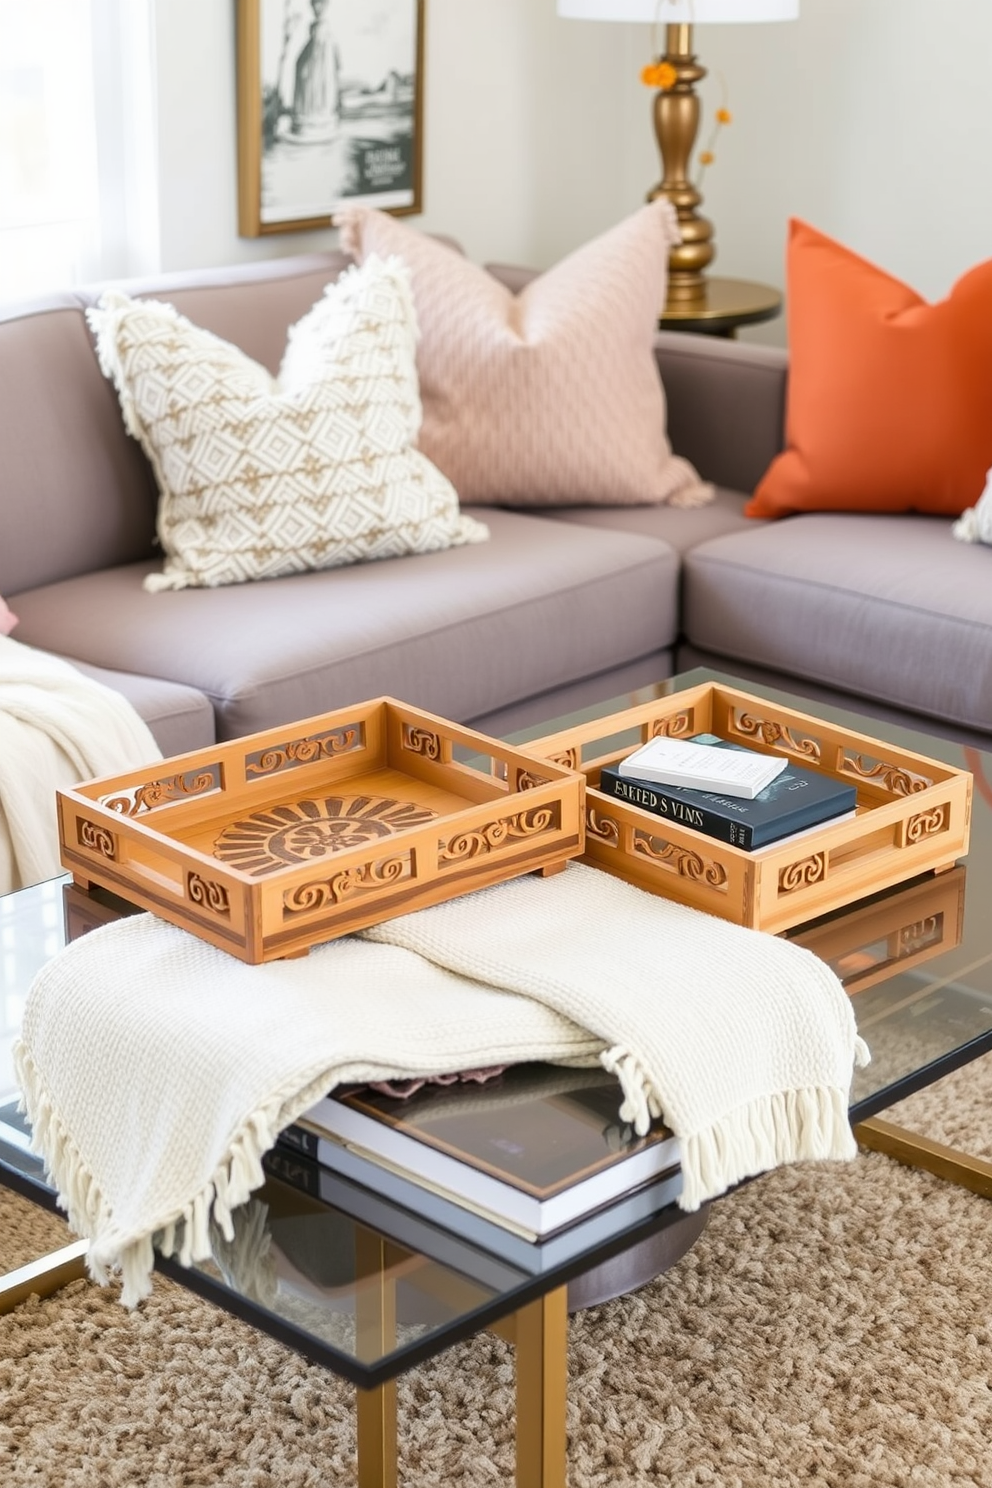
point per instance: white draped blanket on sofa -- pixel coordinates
(57, 727)
(745, 1043)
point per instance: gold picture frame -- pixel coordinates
(330, 110)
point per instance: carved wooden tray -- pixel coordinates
(913, 813)
(274, 842)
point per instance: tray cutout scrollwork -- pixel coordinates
(502, 832)
(928, 823)
(530, 780)
(319, 894)
(167, 791)
(96, 838)
(895, 778)
(306, 751)
(208, 894)
(770, 731)
(421, 741)
(684, 861)
(676, 727)
(308, 830)
(802, 873)
(604, 828)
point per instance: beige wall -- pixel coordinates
(538, 133)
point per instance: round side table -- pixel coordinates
(726, 304)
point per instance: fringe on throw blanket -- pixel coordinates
(743, 1043)
(187, 1236)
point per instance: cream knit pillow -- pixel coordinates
(261, 476)
(549, 397)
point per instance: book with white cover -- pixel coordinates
(442, 1228)
(682, 762)
(534, 1149)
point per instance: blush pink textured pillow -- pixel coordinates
(7, 618)
(548, 397)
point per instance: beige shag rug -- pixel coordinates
(832, 1325)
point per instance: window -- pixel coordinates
(78, 191)
(49, 204)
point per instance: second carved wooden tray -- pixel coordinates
(913, 813)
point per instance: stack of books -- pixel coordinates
(687, 786)
(533, 1165)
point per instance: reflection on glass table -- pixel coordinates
(368, 1288)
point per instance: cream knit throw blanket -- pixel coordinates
(157, 1070)
(56, 727)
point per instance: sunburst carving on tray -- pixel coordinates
(304, 831)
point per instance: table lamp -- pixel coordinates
(676, 111)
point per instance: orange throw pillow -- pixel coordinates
(889, 403)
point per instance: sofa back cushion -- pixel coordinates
(548, 395)
(78, 493)
(251, 306)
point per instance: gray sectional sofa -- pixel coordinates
(558, 609)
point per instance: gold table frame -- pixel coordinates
(539, 1333)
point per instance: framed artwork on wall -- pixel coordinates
(330, 110)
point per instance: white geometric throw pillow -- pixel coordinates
(261, 476)
(975, 523)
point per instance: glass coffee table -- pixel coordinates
(332, 1269)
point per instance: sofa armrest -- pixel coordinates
(726, 404)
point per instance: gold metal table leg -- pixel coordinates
(375, 1320)
(44, 1276)
(916, 1151)
(377, 1436)
(540, 1333)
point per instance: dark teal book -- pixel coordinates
(795, 801)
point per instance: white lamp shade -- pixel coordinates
(673, 12)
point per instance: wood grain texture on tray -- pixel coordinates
(913, 814)
(271, 843)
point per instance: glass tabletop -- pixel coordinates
(917, 959)
(335, 1270)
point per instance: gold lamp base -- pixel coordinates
(676, 123)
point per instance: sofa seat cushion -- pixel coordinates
(179, 717)
(562, 706)
(884, 607)
(682, 527)
(463, 632)
(833, 703)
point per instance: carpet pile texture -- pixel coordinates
(832, 1325)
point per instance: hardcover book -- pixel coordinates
(796, 800)
(441, 1228)
(532, 1150)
